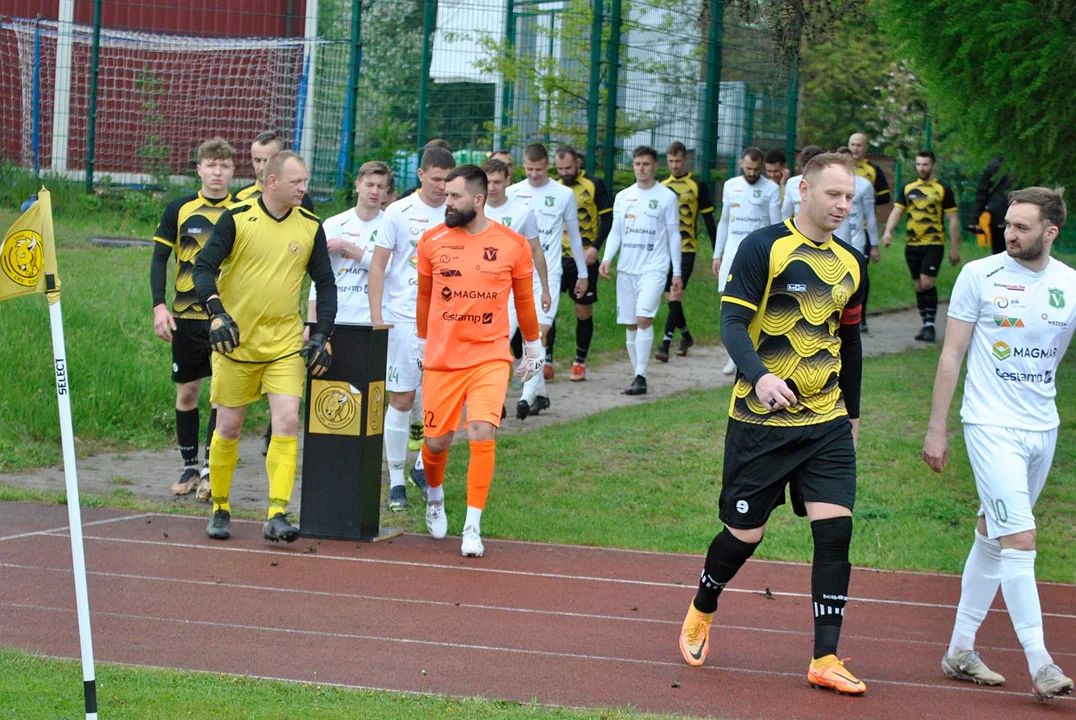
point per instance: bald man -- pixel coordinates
(858, 144)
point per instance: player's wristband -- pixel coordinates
(215, 306)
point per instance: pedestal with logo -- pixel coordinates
(344, 422)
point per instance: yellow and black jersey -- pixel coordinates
(592, 201)
(926, 203)
(872, 172)
(261, 261)
(184, 229)
(798, 291)
(255, 190)
(693, 201)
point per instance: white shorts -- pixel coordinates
(402, 373)
(1010, 469)
(638, 296)
(544, 318)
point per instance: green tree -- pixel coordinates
(1000, 75)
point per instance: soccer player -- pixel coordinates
(857, 143)
(555, 211)
(257, 333)
(505, 157)
(516, 216)
(349, 238)
(185, 228)
(1016, 313)
(860, 230)
(595, 209)
(927, 201)
(748, 203)
(463, 341)
(790, 203)
(646, 234)
(393, 289)
(693, 199)
(991, 198)
(265, 146)
(790, 319)
(777, 168)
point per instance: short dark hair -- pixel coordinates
(216, 148)
(473, 176)
(927, 154)
(645, 150)
(438, 143)
(437, 157)
(492, 165)
(751, 153)
(675, 148)
(567, 150)
(807, 152)
(776, 156)
(1050, 201)
(535, 152)
(824, 160)
(264, 138)
(276, 163)
(502, 151)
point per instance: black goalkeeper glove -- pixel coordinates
(318, 353)
(223, 332)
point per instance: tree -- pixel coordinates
(1000, 74)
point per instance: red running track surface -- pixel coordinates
(562, 625)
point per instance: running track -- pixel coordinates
(558, 624)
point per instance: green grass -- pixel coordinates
(45, 689)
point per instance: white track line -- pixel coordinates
(478, 606)
(485, 648)
(63, 528)
(523, 573)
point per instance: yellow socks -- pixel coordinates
(280, 464)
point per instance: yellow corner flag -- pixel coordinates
(28, 253)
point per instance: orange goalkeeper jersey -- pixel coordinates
(471, 278)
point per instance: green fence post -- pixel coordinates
(712, 92)
(613, 64)
(429, 6)
(898, 171)
(749, 119)
(91, 139)
(591, 151)
(793, 95)
(353, 87)
(508, 92)
(928, 131)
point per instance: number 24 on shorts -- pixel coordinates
(393, 375)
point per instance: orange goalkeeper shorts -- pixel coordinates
(480, 389)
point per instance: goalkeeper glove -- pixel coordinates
(223, 332)
(533, 360)
(318, 353)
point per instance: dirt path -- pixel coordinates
(149, 473)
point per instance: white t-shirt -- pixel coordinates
(744, 209)
(404, 222)
(1023, 324)
(790, 206)
(646, 231)
(555, 211)
(352, 276)
(515, 215)
(861, 221)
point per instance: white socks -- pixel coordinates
(534, 387)
(474, 519)
(632, 336)
(644, 343)
(436, 494)
(397, 425)
(978, 586)
(1022, 600)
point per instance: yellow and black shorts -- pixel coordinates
(238, 384)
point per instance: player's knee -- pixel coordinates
(287, 424)
(481, 431)
(187, 395)
(644, 322)
(402, 401)
(926, 283)
(229, 423)
(439, 444)
(584, 312)
(1018, 541)
(753, 535)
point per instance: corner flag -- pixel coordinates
(28, 266)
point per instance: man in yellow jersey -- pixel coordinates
(265, 146)
(857, 144)
(185, 228)
(693, 200)
(595, 210)
(927, 201)
(261, 250)
(790, 320)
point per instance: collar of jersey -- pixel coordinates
(219, 201)
(282, 218)
(791, 225)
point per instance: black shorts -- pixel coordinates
(816, 462)
(924, 259)
(687, 265)
(570, 275)
(190, 350)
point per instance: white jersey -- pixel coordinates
(352, 276)
(790, 205)
(404, 222)
(860, 226)
(744, 209)
(555, 212)
(646, 231)
(515, 215)
(1023, 324)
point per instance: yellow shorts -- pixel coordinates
(238, 384)
(446, 392)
